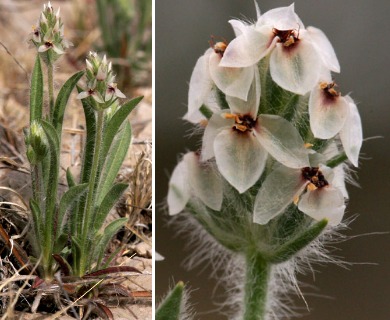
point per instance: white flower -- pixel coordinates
(297, 54)
(91, 92)
(316, 190)
(233, 82)
(240, 141)
(330, 114)
(113, 91)
(191, 177)
(49, 44)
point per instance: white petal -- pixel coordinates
(83, 95)
(119, 93)
(251, 106)
(324, 48)
(351, 134)
(248, 48)
(327, 114)
(326, 202)
(158, 257)
(233, 82)
(200, 84)
(211, 102)
(43, 48)
(295, 68)
(206, 183)
(283, 18)
(240, 158)
(58, 49)
(179, 189)
(215, 125)
(97, 97)
(339, 180)
(277, 192)
(282, 141)
(238, 26)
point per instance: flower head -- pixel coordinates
(100, 81)
(48, 35)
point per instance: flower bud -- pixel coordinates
(37, 144)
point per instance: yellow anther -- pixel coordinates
(311, 187)
(296, 200)
(203, 123)
(241, 127)
(308, 145)
(289, 42)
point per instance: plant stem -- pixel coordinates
(91, 192)
(256, 286)
(50, 80)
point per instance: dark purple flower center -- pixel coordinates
(287, 37)
(315, 176)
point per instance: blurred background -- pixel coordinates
(358, 30)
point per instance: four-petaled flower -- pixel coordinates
(240, 141)
(297, 55)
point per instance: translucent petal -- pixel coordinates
(283, 18)
(248, 48)
(43, 48)
(280, 138)
(119, 93)
(233, 82)
(339, 180)
(351, 134)
(83, 95)
(324, 48)
(327, 115)
(295, 68)
(179, 189)
(251, 106)
(205, 181)
(238, 26)
(277, 192)
(215, 125)
(210, 102)
(97, 97)
(240, 158)
(323, 203)
(200, 83)
(58, 50)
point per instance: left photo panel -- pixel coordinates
(76, 145)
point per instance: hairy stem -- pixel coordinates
(50, 80)
(256, 286)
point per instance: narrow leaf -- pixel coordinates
(114, 160)
(68, 199)
(36, 93)
(111, 270)
(170, 308)
(70, 179)
(64, 265)
(109, 232)
(62, 100)
(292, 247)
(116, 121)
(108, 202)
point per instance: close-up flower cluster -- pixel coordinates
(253, 138)
(267, 186)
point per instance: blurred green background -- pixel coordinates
(358, 31)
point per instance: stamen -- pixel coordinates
(329, 89)
(315, 177)
(286, 37)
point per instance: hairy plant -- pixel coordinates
(266, 190)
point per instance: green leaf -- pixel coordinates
(292, 247)
(36, 93)
(68, 200)
(113, 161)
(116, 122)
(108, 202)
(70, 179)
(90, 120)
(170, 308)
(109, 232)
(38, 220)
(62, 100)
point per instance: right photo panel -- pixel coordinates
(271, 138)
